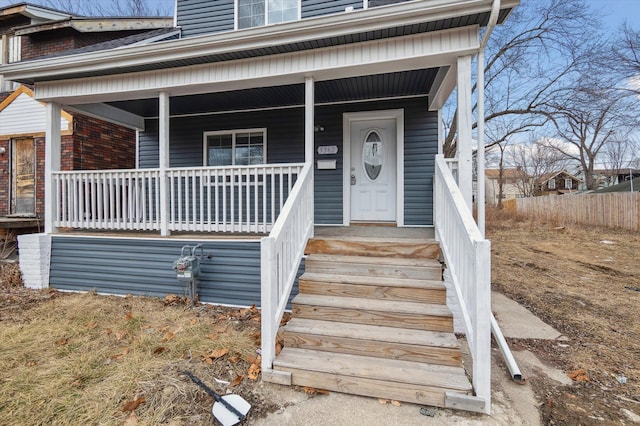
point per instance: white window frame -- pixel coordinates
(266, 15)
(233, 134)
(570, 183)
(551, 184)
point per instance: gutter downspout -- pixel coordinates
(516, 375)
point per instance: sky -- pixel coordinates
(614, 12)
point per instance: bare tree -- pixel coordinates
(534, 161)
(588, 117)
(626, 58)
(111, 7)
(527, 62)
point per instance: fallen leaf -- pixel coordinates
(395, 403)
(278, 348)
(132, 405)
(108, 331)
(313, 391)
(128, 316)
(254, 371)
(251, 359)
(383, 401)
(234, 359)
(218, 353)
(168, 336)
(31, 364)
(237, 381)
(213, 336)
(62, 342)
(120, 334)
(171, 299)
(91, 325)
(285, 318)
(119, 356)
(193, 321)
(159, 350)
(579, 375)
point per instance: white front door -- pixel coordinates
(373, 174)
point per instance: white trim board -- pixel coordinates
(347, 119)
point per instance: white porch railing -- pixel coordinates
(282, 252)
(468, 258)
(229, 199)
(107, 199)
(201, 199)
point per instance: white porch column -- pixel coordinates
(309, 101)
(309, 132)
(163, 135)
(52, 146)
(465, 122)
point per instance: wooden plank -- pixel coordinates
(363, 367)
(373, 332)
(415, 394)
(372, 246)
(373, 348)
(373, 292)
(376, 281)
(375, 266)
(276, 376)
(374, 312)
(373, 305)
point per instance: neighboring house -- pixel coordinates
(557, 183)
(629, 185)
(606, 178)
(265, 120)
(29, 32)
(512, 180)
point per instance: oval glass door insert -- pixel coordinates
(372, 155)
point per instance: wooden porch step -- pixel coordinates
(372, 246)
(384, 288)
(373, 340)
(400, 380)
(422, 316)
(427, 269)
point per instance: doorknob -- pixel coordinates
(353, 179)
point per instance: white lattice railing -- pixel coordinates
(229, 199)
(468, 259)
(282, 252)
(201, 199)
(107, 199)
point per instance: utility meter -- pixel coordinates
(187, 268)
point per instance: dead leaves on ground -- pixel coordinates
(390, 401)
(312, 391)
(579, 375)
(132, 405)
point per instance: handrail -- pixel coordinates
(281, 253)
(468, 258)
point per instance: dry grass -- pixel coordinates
(76, 359)
(10, 275)
(584, 281)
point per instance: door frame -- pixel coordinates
(13, 176)
(347, 119)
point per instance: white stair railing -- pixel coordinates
(282, 252)
(468, 259)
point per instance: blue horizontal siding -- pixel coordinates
(197, 17)
(144, 267)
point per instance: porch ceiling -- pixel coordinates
(397, 84)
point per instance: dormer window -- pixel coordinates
(254, 13)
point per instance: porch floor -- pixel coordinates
(320, 232)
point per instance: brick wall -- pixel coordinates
(98, 145)
(4, 177)
(55, 42)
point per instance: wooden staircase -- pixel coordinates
(371, 319)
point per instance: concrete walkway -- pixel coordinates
(512, 404)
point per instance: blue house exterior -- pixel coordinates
(253, 127)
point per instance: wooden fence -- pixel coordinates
(613, 210)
